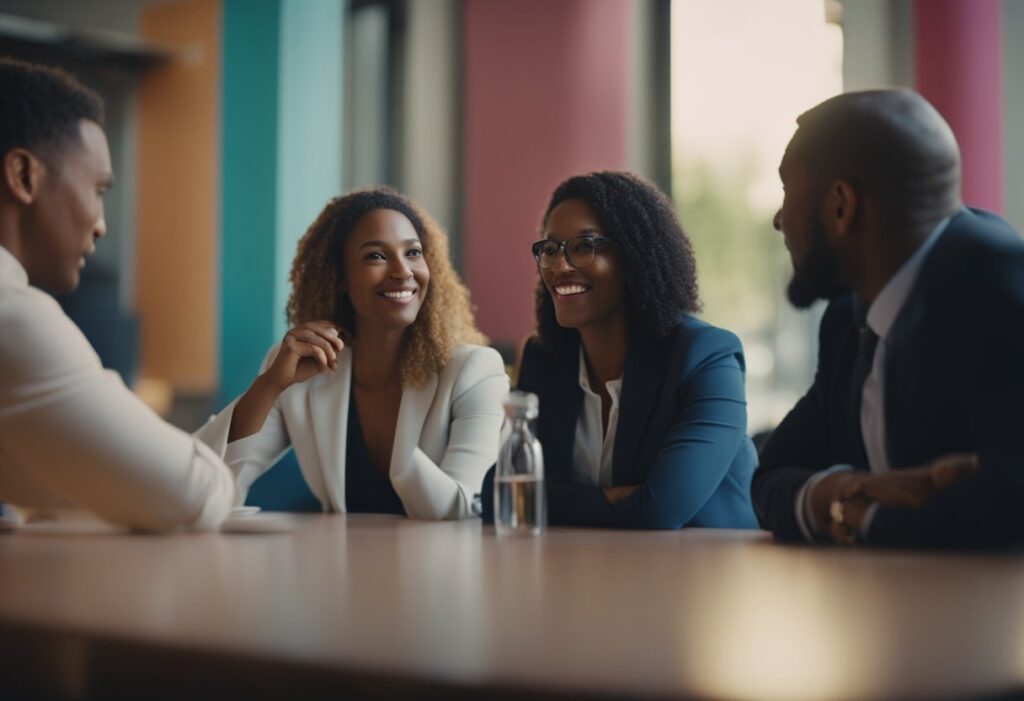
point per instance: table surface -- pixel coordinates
(685, 614)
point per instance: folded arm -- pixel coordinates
(702, 443)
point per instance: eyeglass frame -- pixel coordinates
(563, 248)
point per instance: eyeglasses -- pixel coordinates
(579, 250)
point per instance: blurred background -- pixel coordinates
(232, 122)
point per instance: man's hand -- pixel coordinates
(913, 486)
(829, 489)
(953, 468)
(909, 487)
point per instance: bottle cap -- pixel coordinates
(519, 403)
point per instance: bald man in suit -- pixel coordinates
(911, 433)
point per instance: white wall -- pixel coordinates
(112, 15)
(878, 47)
(429, 164)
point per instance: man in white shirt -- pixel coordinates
(910, 434)
(71, 433)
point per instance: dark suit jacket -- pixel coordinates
(954, 382)
(681, 434)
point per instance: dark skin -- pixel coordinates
(910, 487)
(51, 207)
(590, 300)
(870, 250)
(386, 279)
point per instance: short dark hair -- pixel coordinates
(659, 267)
(891, 144)
(41, 108)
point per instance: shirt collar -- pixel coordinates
(887, 305)
(11, 271)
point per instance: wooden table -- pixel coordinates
(389, 608)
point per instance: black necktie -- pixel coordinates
(867, 341)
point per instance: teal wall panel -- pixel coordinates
(281, 141)
(309, 148)
(249, 132)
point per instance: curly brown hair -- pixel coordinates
(445, 320)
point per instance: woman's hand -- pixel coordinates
(613, 494)
(307, 350)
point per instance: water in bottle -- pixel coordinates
(519, 504)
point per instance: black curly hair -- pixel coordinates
(659, 267)
(41, 108)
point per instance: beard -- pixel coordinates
(815, 277)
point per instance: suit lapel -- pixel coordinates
(563, 410)
(643, 378)
(327, 409)
(909, 349)
(412, 413)
(899, 377)
(553, 377)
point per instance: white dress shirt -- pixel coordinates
(881, 317)
(72, 435)
(594, 446)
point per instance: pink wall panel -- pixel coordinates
(958, 60)
(545, 97)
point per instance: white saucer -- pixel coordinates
(257, 523)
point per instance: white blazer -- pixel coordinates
(446, 437)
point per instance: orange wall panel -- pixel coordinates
(178, 186)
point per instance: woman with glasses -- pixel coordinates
(642, 408)
(380, 386)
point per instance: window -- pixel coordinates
(373, 87)
(741, 72)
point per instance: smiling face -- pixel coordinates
(66, 217)
(583, 296)
(385, 273)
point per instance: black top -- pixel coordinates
(367, 489)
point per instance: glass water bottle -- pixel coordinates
(520, 507)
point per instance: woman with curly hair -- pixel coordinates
(381, 386)
(642, 408)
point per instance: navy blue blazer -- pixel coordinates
(681, 434)
(954, 382)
